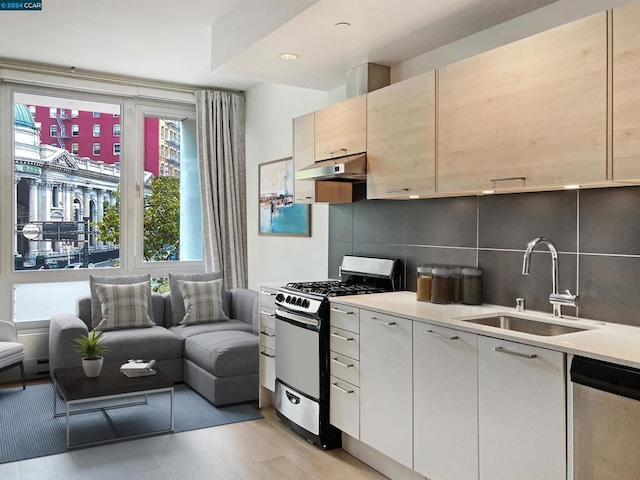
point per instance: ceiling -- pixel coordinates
(235, 44)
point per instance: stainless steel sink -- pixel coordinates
(525, 325)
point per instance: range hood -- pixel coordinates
(350, 168)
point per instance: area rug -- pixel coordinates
(28, 428)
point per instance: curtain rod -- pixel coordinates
(73, 72)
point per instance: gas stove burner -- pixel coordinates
(334, 288)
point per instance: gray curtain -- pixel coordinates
(221, 158)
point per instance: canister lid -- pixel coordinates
(442, 271)
(423, 268)
(472, 272)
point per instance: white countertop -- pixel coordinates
(603, 341)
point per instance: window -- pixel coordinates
(96, 114)
(96, 149)
(170, 200)
(74, 113)
(53, 131)
(96, 130)
(116, 130)
(53, 112)
(74, 148)
(75, 130)
(116, 149)
(32, 109)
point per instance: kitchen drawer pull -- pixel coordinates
(343, 390)
(338, 151)
(506, 179)
(269, 294)
(337, 335)
(303, 198)
(267, 334)
(517, 354)
(337, 310)
(342, 364)
(382, 322)
(396, 190)
(268, 355)
(268, 314)
(436, 334)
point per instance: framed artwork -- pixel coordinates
(278, 214)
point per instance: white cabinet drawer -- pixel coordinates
(268, 338)
(268, 299)
(267, 318)
(344, 407)
(345, 317)
(344, 342)
(268, 368)
(344, 368)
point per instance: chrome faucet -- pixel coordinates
(556, 299)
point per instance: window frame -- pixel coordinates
(176, 105)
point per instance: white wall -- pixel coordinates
(269, 136)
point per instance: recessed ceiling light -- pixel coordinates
(571, 187)
(488, 192)
(289, 56)
(342, 25)
(414, 196)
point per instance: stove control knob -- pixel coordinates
(299, 301)
(288, 299)
(306, 303)
(279, 297)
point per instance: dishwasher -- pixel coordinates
(606, 420)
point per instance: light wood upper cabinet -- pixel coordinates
(534, 109)
(303, 156)
(626, 85)
(341, 129)
(401, 139)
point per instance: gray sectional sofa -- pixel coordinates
(219, 359)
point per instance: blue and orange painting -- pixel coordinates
(279, 215)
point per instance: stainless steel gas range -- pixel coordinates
(302, 343)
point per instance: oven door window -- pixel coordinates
(298, 358)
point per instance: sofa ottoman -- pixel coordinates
(223, 365)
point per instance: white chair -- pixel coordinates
(11, 352)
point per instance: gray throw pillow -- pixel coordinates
(96, 310)
(124, 306)
(202, 302)
(177, 300)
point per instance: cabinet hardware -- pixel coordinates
(303, 198)
(268, 294)
(342, 364)
(517, 354)
(396, 190)
(507, 179)
(271, 335)
(343, 390)
(337, 335)
(436, 334)
(268, 314)
(268, 355)
(337, 151)
(382, 322)
(337, 310)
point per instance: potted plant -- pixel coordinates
(90, 346)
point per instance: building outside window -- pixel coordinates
(96, 114)
(75, 130)
(53, 131)
(53, 112)
(116, 130)
(96, 149)
(116, 149)
(74, 113)
(74, 148)
(96, 130)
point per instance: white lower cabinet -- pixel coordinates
(386, 385)
(445, 392)
(522, 411)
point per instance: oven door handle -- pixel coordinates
(297, 319)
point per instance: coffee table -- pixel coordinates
(75, 388)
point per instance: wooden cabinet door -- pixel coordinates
(626, 92)
(401, 139)
(386, 399)
(341, 129)
(522, 411)
(303, 156)
(445, 402)
(534, 110)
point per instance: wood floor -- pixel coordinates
(259, 449)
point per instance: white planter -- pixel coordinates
(92, 368)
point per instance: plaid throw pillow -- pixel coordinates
(124, 306)
(202, 302)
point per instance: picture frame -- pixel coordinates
(278, 214)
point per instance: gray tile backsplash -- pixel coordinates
(597, 232)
